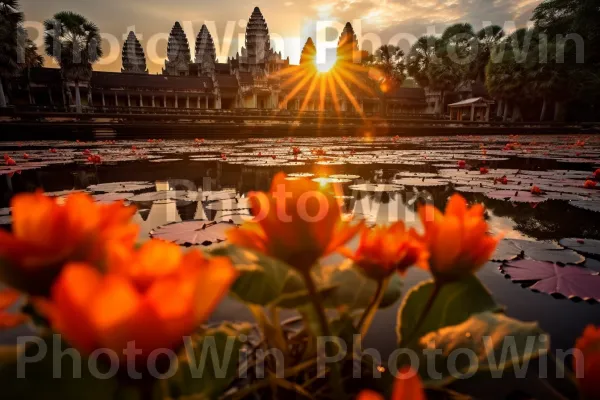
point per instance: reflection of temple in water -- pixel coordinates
(253, 79)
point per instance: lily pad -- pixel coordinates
(190, 233)
(368, 187)
(510, 249)
(344, 176)
(425, 182)
(472, 189)
(586, 246)
(179, 195)
(516, 196)
(134, 186)
(217, 195)
(568, 281)
(229, 204)
(586, 205)
(110, 197)
(63, 193)
(330, 180)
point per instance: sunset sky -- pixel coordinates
(290, 21)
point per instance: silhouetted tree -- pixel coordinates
(10, 20)
(74, 42)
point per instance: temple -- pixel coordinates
(256, 78)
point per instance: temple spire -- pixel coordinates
(178, 52)
(348, 44)
(258, 44)
(309, 52)
(206, 55)
(133, 57)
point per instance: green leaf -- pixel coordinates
(495, 343)
(454, 304)
(266, 281)
(38, 382)
(209, 365)
(262, 279)
(355, 291)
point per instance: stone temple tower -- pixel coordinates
(134, 60)
(348, 44)
(178, 53)
(258, 45)
(206, 55)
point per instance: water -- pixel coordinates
(427, 168)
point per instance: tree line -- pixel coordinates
(549, 71)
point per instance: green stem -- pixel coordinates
(409, 338)
(367, 317)
(317, 303)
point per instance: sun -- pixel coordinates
(323, 67)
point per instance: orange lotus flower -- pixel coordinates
(297, 223)
(407, 386)
(47, 234)
(160, 298)
(383, 250)
(586, 363)
(589, 184)
(457, 241)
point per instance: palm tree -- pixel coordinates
(457, 38)
(389, 60)
(419, 57)
(29, 57)
(74, 42)
(10, 19)
(388, 67)
(508, 77)
(444, 76)
(487, 38)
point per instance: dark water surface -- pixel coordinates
(380, 180)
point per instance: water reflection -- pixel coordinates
(223, 187)
(161, 212)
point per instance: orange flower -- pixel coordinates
(483, 170)
(502, 180)
(586, 363)
(536, 190)
(8, 320)
(597, 173)
(161, 297)
(296, 222)
(46, 235)
(407, 386)
(383, 250)
(457, 241)
(589, 184)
